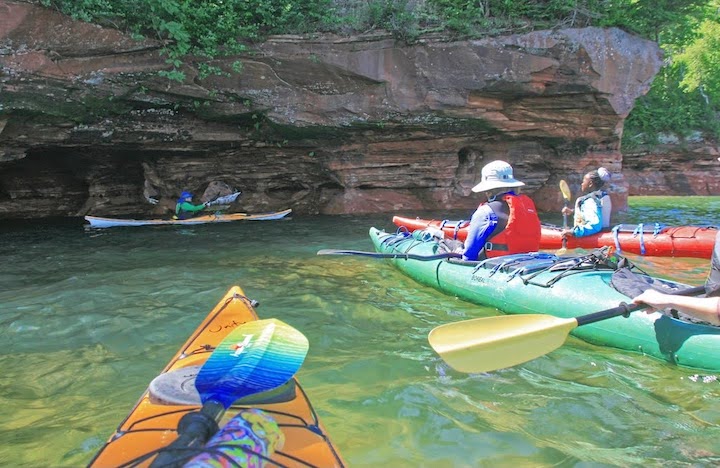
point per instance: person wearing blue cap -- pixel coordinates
(185, 208)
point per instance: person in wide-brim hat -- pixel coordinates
(507, 222)
(497, 175)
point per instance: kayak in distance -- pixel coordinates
(152, 424)
(561, 286)
(99, 222)
(652, 240)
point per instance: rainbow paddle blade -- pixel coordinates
(255, 357)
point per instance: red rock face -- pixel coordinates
(687, 169)
(323, 125)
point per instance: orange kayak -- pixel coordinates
(649, 240)
(152, 423)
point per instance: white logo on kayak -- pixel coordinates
(263, 340)
(240, 347)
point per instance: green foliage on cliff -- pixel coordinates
(201, 28)
(684, 97)
(701, 60)
(669, 109)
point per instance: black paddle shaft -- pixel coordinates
(194, 430)
(398, 255)
(625, 309)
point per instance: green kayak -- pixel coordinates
(567, 287)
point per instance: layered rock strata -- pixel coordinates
(320, 124)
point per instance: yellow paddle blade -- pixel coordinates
(491, 343)
(565, 189)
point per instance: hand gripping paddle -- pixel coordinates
(491, 343)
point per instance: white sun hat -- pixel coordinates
(496, 174)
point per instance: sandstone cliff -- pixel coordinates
(678, 167)
(319, 124)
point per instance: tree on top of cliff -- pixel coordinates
(211, 28)
(685, 95)
(200, 28)
(701, 60)
(659, 20)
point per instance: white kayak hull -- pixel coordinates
(99, 222)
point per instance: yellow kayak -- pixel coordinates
(152, 423)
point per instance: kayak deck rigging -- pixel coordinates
(526, 266)
(550, 267)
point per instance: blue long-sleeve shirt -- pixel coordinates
(482, 225)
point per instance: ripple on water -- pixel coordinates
(89, 318)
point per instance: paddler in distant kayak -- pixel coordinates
(185, 208)
(507, 223)
(593, 209)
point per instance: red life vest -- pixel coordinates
(522, 233)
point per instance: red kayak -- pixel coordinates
(649, 239)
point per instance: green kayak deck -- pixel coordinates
(561, 286)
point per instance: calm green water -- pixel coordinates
(90, 317)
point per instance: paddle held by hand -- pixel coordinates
(492, 343)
